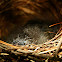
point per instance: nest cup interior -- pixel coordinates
(27, 23)
(33, 32)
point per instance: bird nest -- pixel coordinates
(50, 50)
(28, 9)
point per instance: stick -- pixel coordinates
(55, 24)
(58, 47)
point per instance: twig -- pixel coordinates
(56, 37)
(7, 44)
(47, 51)
(55, 24)
(58, 47)
(59, 31)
